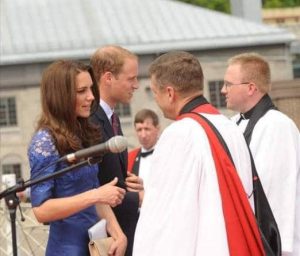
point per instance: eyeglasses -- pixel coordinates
(228, 84)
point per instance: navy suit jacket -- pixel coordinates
(115, 165)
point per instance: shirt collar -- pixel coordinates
(146, 150)
(247, 114)
(107, 109)
(146, 153)
(265, 101)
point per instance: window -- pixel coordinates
(296, 68)
(123, 110)
(216, 98)
(12, 169)
(8, 114)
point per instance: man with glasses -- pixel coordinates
(273, 139)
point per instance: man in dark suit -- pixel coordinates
(115, 70)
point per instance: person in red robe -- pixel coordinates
(198, 200)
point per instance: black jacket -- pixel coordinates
(115, 165)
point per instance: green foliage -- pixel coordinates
(217, 5)
(280, 3)
(224, 5)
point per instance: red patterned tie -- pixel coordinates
(115, 123)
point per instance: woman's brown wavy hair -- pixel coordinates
(58, 99)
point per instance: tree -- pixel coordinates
(280, 3)
(224, 5)
(217, 5)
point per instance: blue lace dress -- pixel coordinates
(67, 236)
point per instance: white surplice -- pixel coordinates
(275, 146)
(182, 213)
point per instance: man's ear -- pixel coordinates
(252, 88)
(171, 93)
(107, 77)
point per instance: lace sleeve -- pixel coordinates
(41, 153)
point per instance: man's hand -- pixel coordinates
(134, 183)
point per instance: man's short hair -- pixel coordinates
(110, 59)
(143, 114)
(255, 69)
(180, 69)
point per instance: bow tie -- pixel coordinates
(242, 117)
(147, 153)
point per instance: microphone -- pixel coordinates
(115, 144)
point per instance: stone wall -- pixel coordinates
(22, 82)
(286, 96)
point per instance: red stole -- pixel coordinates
(243, 234)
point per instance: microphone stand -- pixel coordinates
(12, 200)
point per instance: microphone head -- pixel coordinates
(117, 144)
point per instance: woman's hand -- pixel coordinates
(118, 247)
(110, 194)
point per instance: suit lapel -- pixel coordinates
(108, 133)
(136, 165)
(106, 126)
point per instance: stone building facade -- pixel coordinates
(211, 36)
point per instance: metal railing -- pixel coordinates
(31, 236)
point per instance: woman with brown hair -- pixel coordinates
(72, 202)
